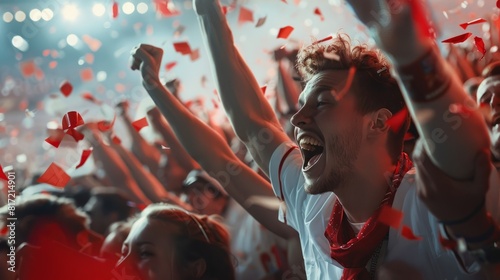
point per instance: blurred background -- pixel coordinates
(86, 44)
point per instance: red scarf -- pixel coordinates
(351, 251)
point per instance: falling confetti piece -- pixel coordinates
(54, 141)
(285, 32)
(87, 74)
(55, 176)
(85, 156)
(52, 64)
(88, 96)
(323, 40)
(476, 21)
(75, 134)
(182, 47)
(246, 15)
(72, 119)
(398, 120)
(2, 174)
(224, 10)
(261, 21)
(66, 88)
(407, 233)
(194, 55)
(408, 136)
(114, 9)
(480, 46)
(170, 65)
(93, 44)
(458, 39)
(140, 123)
(116, 140)
(89, 58)
(263, 89)
(27, 68)
(166, 8)
(317, 11)
(390, 216)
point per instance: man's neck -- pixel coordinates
(362, 195)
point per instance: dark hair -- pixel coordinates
(375, 86)
(113, 201)
(200, 236)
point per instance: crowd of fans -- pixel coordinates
(298, 189)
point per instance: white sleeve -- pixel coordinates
(285, 173)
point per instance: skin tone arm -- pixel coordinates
(176, 149)
(249, 112)
(145, 153)
(208, 148)
(428, 97)
(148, 183)
(116, 170)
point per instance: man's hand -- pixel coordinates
(391, 23)
(147, 59)
(447, 198)
(123, 107)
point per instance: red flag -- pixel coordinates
(2, 175)
(285, 32)
(55, 176)
(66, 88)
(407, 233)
(390, 216)
(397, 121)
(85, 156)
(458, 39)
(140, 123)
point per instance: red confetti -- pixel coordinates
(75, 134)
(224, 10)
(194, 55)
(397, 121)
(182, 47)
(407, 233)
(116, 140)
(261, 21)
(170, 65)
(476, 21)
(2, 175)
(140, 123)
(55, 176)
(390, 216)
(4, 231)
(87, 74)
(408, 136)
(166, 8)
(88, 96)
(263, 89)
(458, 39)
(317, 11)
(27, 68)
(93, 44)
(54, 140)
(447, 243)
(52, 64)
(66, 88)
(85, 156)
(285, 32)
(114, 9)
(245, 15)
(72, 119)
(104, 126)
(323, 40)
(480, 45)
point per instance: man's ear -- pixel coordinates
(378, 124)
(197, 268)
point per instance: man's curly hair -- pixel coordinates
(373, 84)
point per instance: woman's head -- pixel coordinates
(168, 242)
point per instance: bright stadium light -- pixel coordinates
(8, 17)
(72, 40)
(70, 12)
(128, 8)
(20, 16)
(142, 8)
(47, 14)
(98, 10)
(35, 15)
(19, 43)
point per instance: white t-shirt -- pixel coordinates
(309, 215)
(258, 251)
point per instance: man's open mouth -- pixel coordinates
(312, 149)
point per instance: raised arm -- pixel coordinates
(145, 153)
(210, 150)
(452, 130)
(249, 112)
